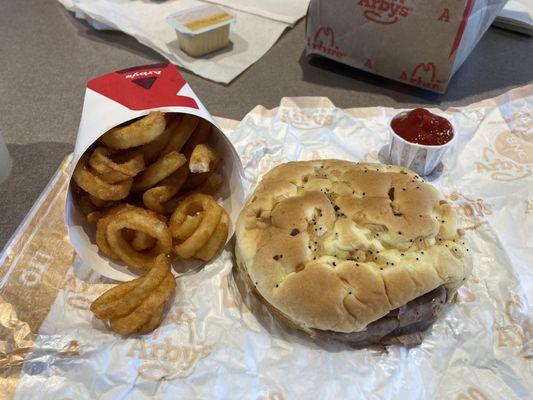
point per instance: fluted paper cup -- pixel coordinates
(121, 96)
(423, 159)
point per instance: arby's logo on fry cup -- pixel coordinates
(146, 87)
(117, 99)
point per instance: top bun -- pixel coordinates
(335, 245)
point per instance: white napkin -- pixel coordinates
(288, 11)
(251, 36)
(517, 15)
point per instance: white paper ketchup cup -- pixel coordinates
(420, 158)
(118, 97)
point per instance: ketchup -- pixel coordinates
(422, 127)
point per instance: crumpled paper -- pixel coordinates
(251, 36)
(218, 342)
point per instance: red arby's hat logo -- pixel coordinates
(423, 75)
(326, 33)
(324, 42)
(144, 87)
(424, 72)
(385, 12)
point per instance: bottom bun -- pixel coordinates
(405, 325)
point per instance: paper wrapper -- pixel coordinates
(216, 343)
(421, 43)
(127, 94)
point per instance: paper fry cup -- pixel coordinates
(115, 98)
(420, 158)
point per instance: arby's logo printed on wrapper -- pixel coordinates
(324, 42)
(423, 75)
(144, 87)
(167, 355)
(510, 157)
(385, 12)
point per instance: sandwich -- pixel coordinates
(362, 253)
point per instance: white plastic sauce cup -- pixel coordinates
(202, 29)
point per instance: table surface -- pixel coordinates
(47, 56)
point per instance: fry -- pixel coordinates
(211, 216)
(96, 201)
(195, 180)
(152, 150)
(115, 293)
(101, 228)
(94, 217)
(141, 241)
(114, 171)
(142, 314)
(136, 133)
(111, 177)
(203, 159)
(85, 205)
(216, 241)
(128, 234)
(154, 198)
(99, 202)
(211, 185)
(200, 135)
(126, 303)
(158, 171)
(142, 172)
(171, 205)
(183, 127)
(187, 228)
(96, 186)
(153, 322)
(140, 220)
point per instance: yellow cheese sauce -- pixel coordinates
(202, 23)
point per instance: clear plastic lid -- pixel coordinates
(196, 20)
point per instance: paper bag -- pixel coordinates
(421, 43)
(124, 95)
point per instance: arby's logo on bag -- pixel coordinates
(324, 42)
(385, 12)
(423, 75)
(144, 87)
